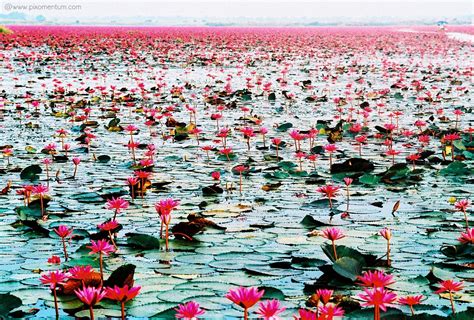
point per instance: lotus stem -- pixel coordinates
(334, 250)
(55, 295)
(64, 249)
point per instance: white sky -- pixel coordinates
(252, 9)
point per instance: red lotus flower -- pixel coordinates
(227, 152)
(80, 272)
(247, 132)
(189, 311)
(123, 294)
(323, 295)
(375, 279)
(216, 175)
(450, 286)
(392, 153)
(54, 260)
(270, 309)
(410, 300)
(330, 148)
(142, 174)
(452, 137)
(276, 141)
(108, 225)
(361, 139)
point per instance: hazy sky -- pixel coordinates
(245, 8)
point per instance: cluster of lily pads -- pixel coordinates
(210, 166)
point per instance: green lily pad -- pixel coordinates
(142, 241)
(31, 172)
(8, 302)
(347, 267)
(284, 127)
(455, 168)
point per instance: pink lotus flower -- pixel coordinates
(227, 152)
(76, 161)
(329, 311)
(101, 247)
(90, 296)
(245, 297)
(166, 205)
(330, 191)
(304, 314)
(117, 204)
(270, 309)
(379, 298)
(164, 208)
(375, 279)
(131, 128)
(40, 190)
(189, 311)
(348, 181)
(361, 140)
(333, 234)
(52, 278)
(240, 169)
(64, 232)
(462, 206)
(108, 226)
(467, 237)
